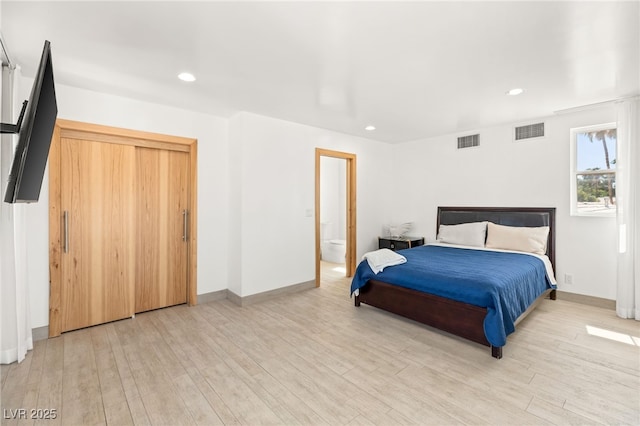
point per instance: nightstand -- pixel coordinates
(399, 243)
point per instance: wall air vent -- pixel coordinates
(529, 131)
(468, 141)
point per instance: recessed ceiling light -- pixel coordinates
(514, 92)
(185, 76)
(370, 128)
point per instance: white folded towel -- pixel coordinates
(380, 259)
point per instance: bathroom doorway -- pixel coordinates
(335, 229)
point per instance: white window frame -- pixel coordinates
(574, 172)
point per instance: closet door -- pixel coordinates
(117, 204)
(162, 197)
(98, 253)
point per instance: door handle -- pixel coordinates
(65, 222)
(185, 225)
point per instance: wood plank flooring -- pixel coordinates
(312, 358)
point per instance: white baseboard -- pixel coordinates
(587, 300)
(40, 333)
(212, 297)
(268, 295)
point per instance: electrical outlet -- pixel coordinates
(568, 279)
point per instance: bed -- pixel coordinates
(434, 300)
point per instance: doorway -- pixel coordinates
(349, 206)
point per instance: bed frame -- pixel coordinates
(460, 319)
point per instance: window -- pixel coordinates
(593, 170)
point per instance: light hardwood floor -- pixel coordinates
(313, 358)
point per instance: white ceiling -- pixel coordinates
(412, 69)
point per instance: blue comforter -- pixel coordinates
(504, 283)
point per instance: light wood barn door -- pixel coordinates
(98, 255)
(162, 218)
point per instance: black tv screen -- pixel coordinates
(34, 140)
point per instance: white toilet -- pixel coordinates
(334, 251)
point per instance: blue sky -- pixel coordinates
(591, 154)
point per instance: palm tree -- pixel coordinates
(602, 135)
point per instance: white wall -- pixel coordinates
(333, 197)
(273, 185)
(256, 190)
(432, 172)
(213, 215)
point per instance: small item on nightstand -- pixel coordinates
(398, 230)
(399, 243)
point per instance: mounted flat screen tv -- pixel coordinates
(34, 140)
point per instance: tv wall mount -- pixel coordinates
(14, 128)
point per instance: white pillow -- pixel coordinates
(530, 240)
(467, 234)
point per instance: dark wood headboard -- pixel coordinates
(508, 216)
